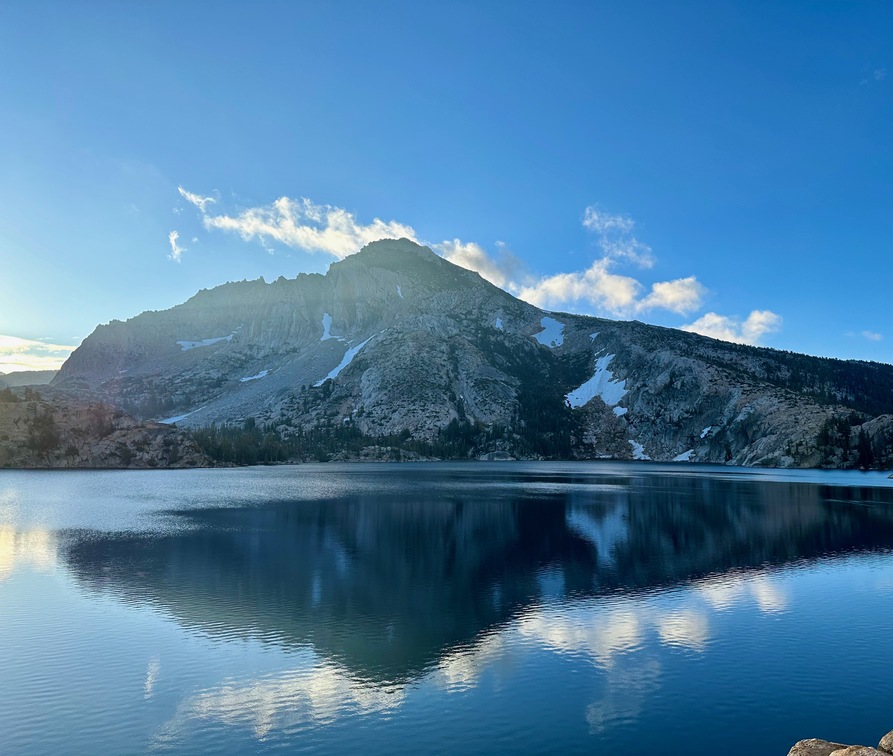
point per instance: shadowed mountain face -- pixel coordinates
(396, 343)
(387, 584)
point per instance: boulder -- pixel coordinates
(886, 744)
(815, 747)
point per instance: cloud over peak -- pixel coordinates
(302, 224)
(601, 288)
(504, 269)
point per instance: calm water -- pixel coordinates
(444, 608)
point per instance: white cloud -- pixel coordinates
(196, 199)
(757, 325)
(26, 354)
(879, 74)
(599, 288)
(176, 250)
(302, 224)
(872, 335)
(594, 287)
(504, 271)
(684, 295)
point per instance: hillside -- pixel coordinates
(27, 378)
(397, 347)
(49, 429)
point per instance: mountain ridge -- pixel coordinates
(397, 343)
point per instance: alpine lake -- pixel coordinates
(512, 607)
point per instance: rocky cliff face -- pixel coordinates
(396, 343)
(49, 429)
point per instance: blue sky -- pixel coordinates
(723, 166)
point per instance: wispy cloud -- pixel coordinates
(176, 250)
(602, 222)
(872, 335)
(27, 354)
(758, 324)
(196, 199)
(614, 234)
(873, 76)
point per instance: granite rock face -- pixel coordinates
(814, 747)
(47, 429)
(395, 341)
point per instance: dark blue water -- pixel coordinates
(476, 608)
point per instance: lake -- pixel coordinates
(444, 608)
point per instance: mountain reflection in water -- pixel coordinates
(470, 608)
(390, 584)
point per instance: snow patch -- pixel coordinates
(592, 336)
(552, 334)
(178, 418)
(620, 411)
(345, 361)
(638, 450)
(174, 419)
(498, 323)
(601, 384)
(684, 457)
(261, 374)
(400, 292)
(326, 327)
(187, 345)
(706, 431)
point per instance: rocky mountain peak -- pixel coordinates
(396, 345)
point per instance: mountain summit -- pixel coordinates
(397, 345)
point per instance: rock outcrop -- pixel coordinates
(815, 747)
(49, 430)
(395, 344)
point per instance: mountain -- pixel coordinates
(396, 349)
(27, 378)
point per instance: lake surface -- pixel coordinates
(451, 608)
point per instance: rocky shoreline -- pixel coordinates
(816, 747)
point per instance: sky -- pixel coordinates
(722, 167)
